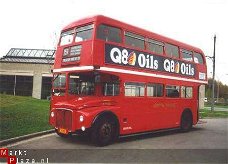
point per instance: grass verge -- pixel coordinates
(218, 106)
(205, 113)
(22, 115)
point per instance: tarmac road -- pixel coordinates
(205, 143)
(217, 109)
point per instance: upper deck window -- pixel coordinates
(66, 37)
(134, 40)
(109, 34)
(171, 50)
(84, 33)
(198, 58)
(186, 55)
(155, 46)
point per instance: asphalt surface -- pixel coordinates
(204, 143)
(217, 109)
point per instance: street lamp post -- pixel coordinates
(213, 79)
(217, 91)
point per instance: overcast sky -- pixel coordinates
(37, 23)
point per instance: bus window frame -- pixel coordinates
(62, 89)
(168, 97)
(113, 83)
(148, 41)
(203, 58)
(134, 47)
(110, 25)
(187, 86)
(181, 55)
(60, 38)
(168, 55)
(83, 25)
(68, 86)
(134, 82)
(155, 83)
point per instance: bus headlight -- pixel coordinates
(52, 114)
(83, 128)
(81, 118)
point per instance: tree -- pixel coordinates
(220, 89)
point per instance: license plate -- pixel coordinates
(63, 131)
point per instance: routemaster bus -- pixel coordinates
(112, 79)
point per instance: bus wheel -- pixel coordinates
(103, 132)
(60, 134)
(186, 121)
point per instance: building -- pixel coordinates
(27, 72)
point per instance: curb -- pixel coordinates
(21, 138)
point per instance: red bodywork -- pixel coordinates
(135, 114)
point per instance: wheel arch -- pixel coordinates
(187, 110)
(183, 126)
(106, 114)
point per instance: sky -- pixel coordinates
(37, 23)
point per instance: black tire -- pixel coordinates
(104, 131)
(186, 121)
(61, 135)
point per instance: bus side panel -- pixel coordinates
(142, 115)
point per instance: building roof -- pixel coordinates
(22, 55)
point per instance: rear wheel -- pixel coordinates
(104, 131)
(186, 121)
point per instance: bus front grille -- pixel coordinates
(64, 119)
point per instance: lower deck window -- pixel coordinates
(154, 90)
(172, 91)
(134, 89)
(186, 92)
(111, 89)
(81, 84)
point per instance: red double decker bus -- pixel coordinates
(113, 79)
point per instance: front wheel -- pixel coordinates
(186, 121)
(104, 132)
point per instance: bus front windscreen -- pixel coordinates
(81, 33)
(59, 84)
(67, 37)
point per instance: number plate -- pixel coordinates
(63, 131)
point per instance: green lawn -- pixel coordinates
(205, 113)
(22, 115)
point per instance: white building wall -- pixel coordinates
(27, 69)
